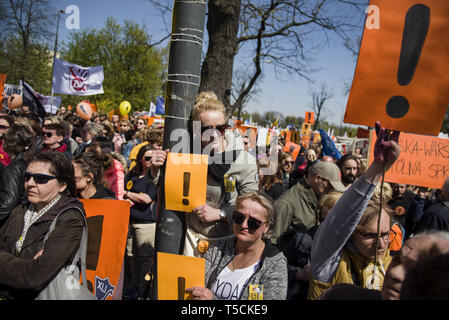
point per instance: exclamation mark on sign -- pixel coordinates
(185, 188)
(416, 25)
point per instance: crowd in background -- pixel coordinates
(310, 230)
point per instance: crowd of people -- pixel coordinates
(315, 228)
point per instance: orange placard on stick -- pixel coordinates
(310, 117)
(185, 181)
(176, 273)
(424, 160)
(107, 224)
(306, 128)
(293, 148)
(402, 77)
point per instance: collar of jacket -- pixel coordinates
(228, 253)
(64, 203)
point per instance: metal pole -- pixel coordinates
(186, 44)
(54, 55)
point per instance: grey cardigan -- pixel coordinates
(271, 273)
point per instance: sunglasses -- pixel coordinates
(147, 158)
(39, 178)
(253, 223)
(3, 127)
(221, 128)
(47, 134)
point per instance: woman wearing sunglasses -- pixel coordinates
(142, 193)
(246, 266)
(18, 144)
(232, 171)
(26, 265)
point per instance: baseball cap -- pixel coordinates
(330, 172)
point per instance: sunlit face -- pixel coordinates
(82, 182)
(146, 159)
(349, 171)
(124, 127)
(253, 209)
(140, 124)
(287, 164)
(51, 139)
(310, 155)
(362, 239)
(41, 194)
(211, 137)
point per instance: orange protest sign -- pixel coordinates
(185, 181)
(107, 225)
(305, 130)
(250, 131)
(2, 82)
(293, 148)
(175, 273)
(401, 78)
(310, 117)
(423, 160)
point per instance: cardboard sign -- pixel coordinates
(292, 136)
(176, 273)
(310, 117)
(107, 224)
(293, 148)
(250, 131)
(424, 160)
(305, 130)
(402, 77)
(185, 181)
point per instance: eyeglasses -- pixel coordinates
(289, 162)
(221, 128)
(47, 134)
(253, 223)
(39, 178)
(147, 158)
(4, 127)
(371, 238)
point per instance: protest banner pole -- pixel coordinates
(184, 66)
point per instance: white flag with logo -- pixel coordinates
(72, 79)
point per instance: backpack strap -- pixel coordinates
(81, 253)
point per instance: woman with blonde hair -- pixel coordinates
(246, 266)
(231, 172)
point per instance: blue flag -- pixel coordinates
(160, 105)
(328, 146)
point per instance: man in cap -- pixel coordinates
(296, 207)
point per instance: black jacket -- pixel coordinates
(12, 190)
(21, 276)
(436, 217)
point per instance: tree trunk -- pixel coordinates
(222, 28)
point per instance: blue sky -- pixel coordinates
(290, 97)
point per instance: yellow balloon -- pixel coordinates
(125, 108)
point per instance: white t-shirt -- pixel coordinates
(229, 284)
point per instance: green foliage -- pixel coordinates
(133, 70)
(35, 67)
